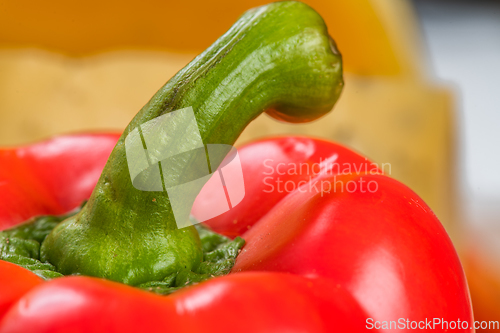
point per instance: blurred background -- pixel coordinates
(462, 40)
(420, 92)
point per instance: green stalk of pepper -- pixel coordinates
(276, 58)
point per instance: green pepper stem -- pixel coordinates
(278, 58)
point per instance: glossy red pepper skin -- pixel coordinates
(51, 177)
(253, 302)
(15, 281)
(274, 167)
(313, 262)
(386, 248)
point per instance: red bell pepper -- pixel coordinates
(314, 261)
(332, 245)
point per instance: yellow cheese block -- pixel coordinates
(398, 121)
(44, 94)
